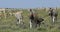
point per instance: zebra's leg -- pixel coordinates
(30, 24)
(19, 21)
(34, 25)
(53, 19)
(38, 25)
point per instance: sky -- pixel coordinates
(29, 3)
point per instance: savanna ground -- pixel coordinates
(9, 24)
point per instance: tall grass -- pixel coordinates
(9, 24)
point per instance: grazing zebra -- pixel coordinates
(19, 17)
(34, 20)
(53, 14)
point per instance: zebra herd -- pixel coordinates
(33, 16)
(34, 19)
